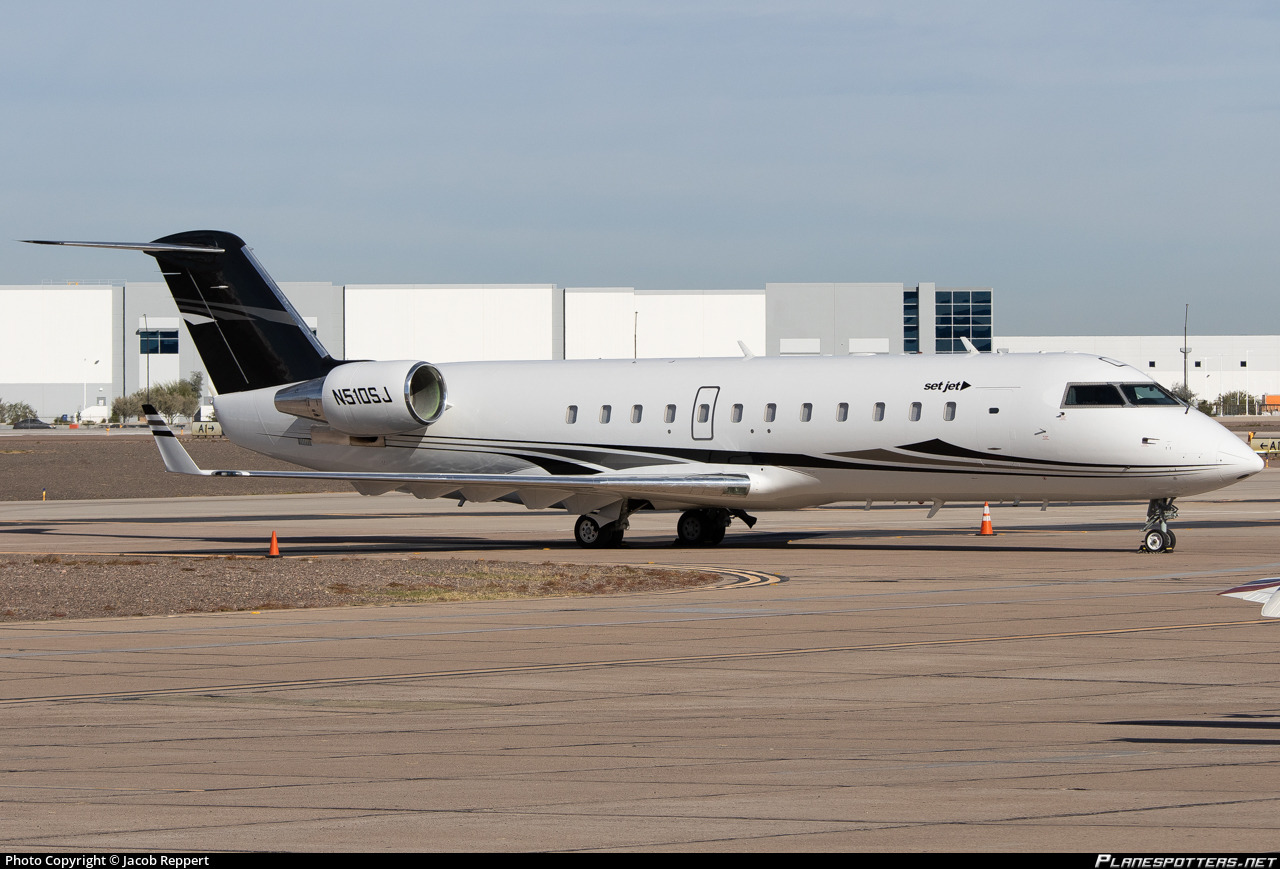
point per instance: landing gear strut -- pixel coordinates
(702, 527)
(1156, 536)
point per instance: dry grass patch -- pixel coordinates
(53, 586)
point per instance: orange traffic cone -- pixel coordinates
(986, 531)
(274, 551)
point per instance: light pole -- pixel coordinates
(145, 335)
(1186, 351)
(1208, 386)
(84, 391)
(1248, 396)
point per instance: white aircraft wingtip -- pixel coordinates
(1261, 591)
(176, 459)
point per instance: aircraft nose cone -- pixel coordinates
(1236, 460)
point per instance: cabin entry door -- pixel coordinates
(704, 413)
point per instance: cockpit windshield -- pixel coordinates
(1143, 394)
(1118, 395)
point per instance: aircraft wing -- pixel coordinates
(1261, 591)
(584, 492)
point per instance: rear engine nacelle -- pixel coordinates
(369, 398)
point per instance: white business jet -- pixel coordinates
(712, 438)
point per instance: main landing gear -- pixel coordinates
(1156, 536)
(591, 534)
(702, 527)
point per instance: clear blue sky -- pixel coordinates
(1099, 163)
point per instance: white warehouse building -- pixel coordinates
(67, 347)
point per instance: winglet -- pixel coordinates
(176, 459)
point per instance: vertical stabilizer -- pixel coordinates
(247, 333)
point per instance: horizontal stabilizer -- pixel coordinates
(144, 246)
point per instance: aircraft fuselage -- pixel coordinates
(809, 430)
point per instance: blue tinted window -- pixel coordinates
(158, 341)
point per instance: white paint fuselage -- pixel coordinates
(1009, 435)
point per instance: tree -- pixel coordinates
(1237, 403)
(172, 399)
(1181, 390)
(178, 397)
(18, 410)
(127, 406)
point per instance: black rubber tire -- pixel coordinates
(588, 533)
(691, 527)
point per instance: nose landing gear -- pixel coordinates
(1156, 536)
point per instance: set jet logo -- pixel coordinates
(947, 386)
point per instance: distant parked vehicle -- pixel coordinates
(31, 423)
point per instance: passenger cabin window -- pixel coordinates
(735, 415)
(806, 412)
(571, 414)
(842, 411)
(670, 415)
(606, 411)
(914, 416)
(770, 412)
(704, 412)
(949, 411)
(877, 413)
(637, 411)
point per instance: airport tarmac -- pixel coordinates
(883, 682)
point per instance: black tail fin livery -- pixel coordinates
(247, 333)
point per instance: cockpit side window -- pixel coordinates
(1144, 394)
(1118, 395)
(1092, 395)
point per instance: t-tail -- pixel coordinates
(247, 333)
